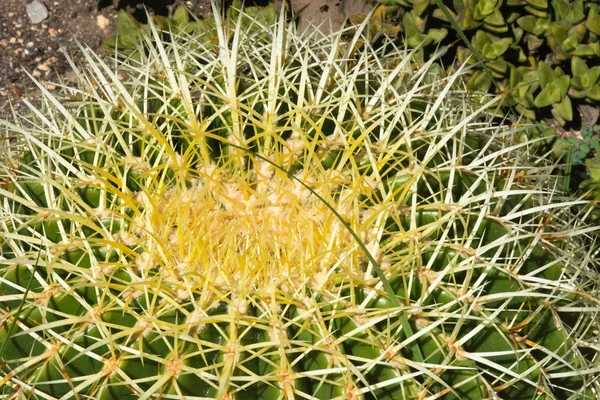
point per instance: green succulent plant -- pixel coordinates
(535, 53)
(284, 216)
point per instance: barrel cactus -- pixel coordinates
(272, 215)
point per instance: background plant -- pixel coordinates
(276, 215)
(535, 50)
(538, 54)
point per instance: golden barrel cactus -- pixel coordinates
(244, 211)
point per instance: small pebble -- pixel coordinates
(43, 67)
(37, 11)
(71, 76)
(102, 21)
(30, 44)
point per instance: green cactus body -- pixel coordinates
(286, 217)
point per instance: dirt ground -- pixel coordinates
(38, 48)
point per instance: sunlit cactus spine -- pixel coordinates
(277, 215)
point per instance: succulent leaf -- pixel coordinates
(593, 22)
(420, 6)
(539, 4)
(549, 95)
(483, 8)
(587, 50)
(546, 75)
(578, 66)
(594, 92)
(496, 20)
(569, 11)
(536, 12)
(534, 25)
(565, 110)
(437, 34)
(593, 168)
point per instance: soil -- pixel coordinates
(38, 49)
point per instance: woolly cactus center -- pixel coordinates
(258, 232)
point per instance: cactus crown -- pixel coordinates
(249, 212)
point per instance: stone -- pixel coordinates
(37, 11)
(102, 21)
